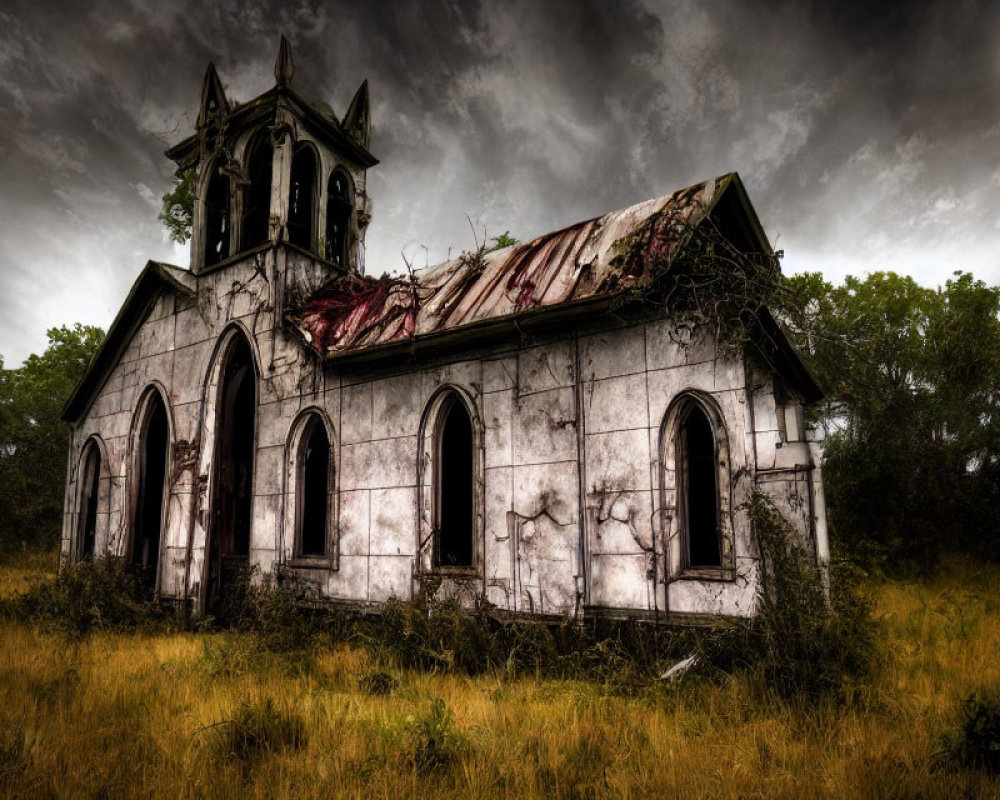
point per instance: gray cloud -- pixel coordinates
(865, 134)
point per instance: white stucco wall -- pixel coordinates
(569, 434)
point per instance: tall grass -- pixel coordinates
(204, 715)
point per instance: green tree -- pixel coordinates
(178, 207)
(912, 378)
(33, 439)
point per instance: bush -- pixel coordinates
(93, 595)
(255, 730)
(377, 683)
(433, 743)
(976, 743)
(798, 644)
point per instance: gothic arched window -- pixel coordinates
(152, 442)
(454, 486)
(89, 487)
(217, 218)
(313, 466)
(302, 197)
(257, 194)
(698, 487)
(338, 218)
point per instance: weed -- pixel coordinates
(377, 683)
(100, 595)
(255, 730)
(433, 743)
(976, 742)
(797, 645)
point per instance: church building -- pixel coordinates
(542, 428)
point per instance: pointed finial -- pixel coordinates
(357, 121)
(213, 97)
(284, 67)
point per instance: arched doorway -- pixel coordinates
(153, 440)
(232, 497)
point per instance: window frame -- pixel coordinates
(154, 394)
(301, 430)
(349, 198)
(429, 479)
(91, 446)
(300, 150)
(674, 475)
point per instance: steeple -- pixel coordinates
(356, 122)
(278, 170)
(214, 105)
(284, 66)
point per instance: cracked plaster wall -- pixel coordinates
(541, 406)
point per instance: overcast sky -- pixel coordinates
(868, 136)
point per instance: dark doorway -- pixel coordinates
(229, 539)
(338, 218)
(455, 487)
(217, 219)
(153, 440)
(302, 197)
(257, 194)
(697, 448)
(315, 481)
(90, 484)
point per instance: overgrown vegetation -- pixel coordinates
(803, 644)
(912, 462)
(103, 595)
(141, 715)
(177, 213)
(975, 742)
(33, 440)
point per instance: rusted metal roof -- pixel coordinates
(575, 264)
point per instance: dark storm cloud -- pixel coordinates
(866, 135)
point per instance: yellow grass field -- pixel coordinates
(188, 716)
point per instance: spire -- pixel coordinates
(284, 67)
(213, 98)
(357, 121)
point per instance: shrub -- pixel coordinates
(255, 730)
(100, 595)
(377, 683)
(433, 743)
(798, 644)
(976, 742)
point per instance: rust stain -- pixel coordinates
(581, 261)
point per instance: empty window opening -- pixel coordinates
(338, 218)
(314, 480)
(700, 496)
(149, 507)
(302, 197)
(234, 466)
(90, 484)
(217, 219)
(455, 487)
(257, 194)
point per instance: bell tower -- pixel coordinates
(277, 170)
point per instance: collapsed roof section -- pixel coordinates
(567, 267)
(568, 274)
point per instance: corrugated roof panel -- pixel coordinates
(575, 263)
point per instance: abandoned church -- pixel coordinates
(553, 428)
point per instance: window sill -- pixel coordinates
(725, 574)
(311, 562)
(456, 572)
